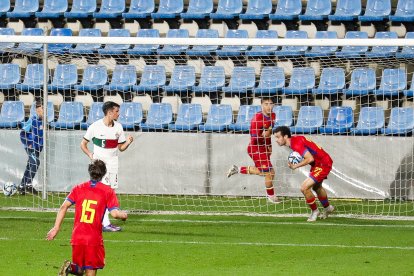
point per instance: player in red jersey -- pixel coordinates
(321, 165)
(260, 148)
(91, 200)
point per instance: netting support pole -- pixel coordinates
(45, 126)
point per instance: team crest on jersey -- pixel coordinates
(117, 135)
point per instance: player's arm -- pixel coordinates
(307, 159)
(125, 145)
(267, 132)
(59, 219)
(84, 147)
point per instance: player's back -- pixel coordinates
(259, 123)
(302, 144)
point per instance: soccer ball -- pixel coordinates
(294, 157)
(9, 188)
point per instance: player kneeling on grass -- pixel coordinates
(92, 198)
(321, 165)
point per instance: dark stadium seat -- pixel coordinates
(244, 116)
(316, 10)
(204, 50)
(293, 50)
(404, 12)
(257, 9)
(332, 81)
(212, 80)
(94, 78)
(110, 9)
(124, 77)
(174, 49)
(139, 9)
(130, 115)
(152, 79)
(116, 49)
(401, 121)
(168, 9)
(12, 114)
(4, 7)
(182, 79)
(346, 10)
(272, 80)
(363, 82)
(148, 49)
(30, 47)
(287, 10)
(234, 50)
(6, 46)
(340, 120)
(376, 10)
(189, 117)
(383, 51)
(408, 93)
(310, 119)
(263, 50)
(59, 48)
(353, 51)
(407, 51)
(24, 9)
(243, 80)
(159, 117)
(219, 118)
(65, 78)
(371, 121)
(198, 9)
(95, 114)
(50, 111)
(87, 48)
(70, 116)
(228, 9)
(81, 9)
(323, 51)
(53, 9)
(284, 115)
(9, 76)
(33, 78)
(301, 82)
(393, 82)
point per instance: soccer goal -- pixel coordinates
(188, 103)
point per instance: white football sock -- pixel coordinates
(105, 221)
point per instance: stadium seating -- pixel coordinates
(174, 49)
(198, 9)
(340, 120)
(353, 51)
(287, 10)
(81, 9)
(332, 81)
(189, 117)
(263, 50)
(200, 50)
(301, 82)
(50, 111)
(65, 77)
(168, 9)
(383, 51)
(404, 12)
(363, 82)
(244, 116)
(257, 9)
(110, 9)
(316, 10)
(407, 51)
(70, 116)
(346, 10)
(53, 9)
(310, 119)
(6, 46)
(116, 49)
(95, 114)
(219, 118)
(59, 48)
(288, 51)
(212, 80)
(376, 10)
(393, 82)
(243, 80)
(284, 115)
(12, 114)
(408, 93)
(228, 9)
(182, 79)
(272, 80)
(139, 9)
(234, 50)
(147, 49)
(87, 48)
(24, 9)
(401, 121)
(124, 77)
(30, 47)
(94, 78)
(9, 76)
(33, 78)
(4, 7)
(371, 121)
(322, 51)
(130, 115)
(159, 117)
(153, 77)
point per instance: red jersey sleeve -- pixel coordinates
(112, 201)
(297, 143)
(72, 196)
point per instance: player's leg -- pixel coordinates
(34, 161)
(90, 272)
(110, 179)
(26, 175)
(78, 261)
(94, 259)
(319, 174)
(310, 198)
(270, 190)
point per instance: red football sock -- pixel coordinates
(270, 191)
(312, 203)
(324, 201)
(244, 170)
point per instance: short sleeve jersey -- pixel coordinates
(258, 124)
(301, 144)
(91, 200)
(105, 141)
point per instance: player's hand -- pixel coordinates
(52, 234)
(130, 139)
(293, 167)
(124, 216)
(90, 155)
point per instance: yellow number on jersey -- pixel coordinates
(86, 207)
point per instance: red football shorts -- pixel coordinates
(320, 172)
(88, 257)
(261, 157)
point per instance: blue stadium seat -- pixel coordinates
(346, 10)
(371, 121)
(33, 78)
(198, 9)
(404, 12)
(340, 120)
(87, 48)
(301, 82)
(53, 9)
(189, 117)
(168, 9)
(228, 9)
(363, 82)
(219, 118)
(152, 80)
(70, 116)
(123, 79)
(9, 76)
(50, 111)
(407, 51)
(24, 9)
(316, 10)
(148, 49)
(284, 115)
(323, 51)
(95, 114)
(243, 79)
(12, 114)
(272, 80)
(116, 49)
(130, 115)
(287, 10)
(234, 50)
(212, 80)
(204, 50)
(139, 9)
(182, 79)
(401, 121)
(174, 49)
(159, 117)
(4, 7)
(244, 116)
(294, 50)
(393, 82)
(263, 50)
(81, 9)
(6, 46)
(376, 10)
(383, 51)
(60, 47)
(310, 119)
(353, 51)
(110, 9)
(30, 47)
(332, 81)
(65, 77)
(94, 78)
(257, 9)
(408, 93)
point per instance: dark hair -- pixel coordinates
(38, 103)
(109, 106)
(97, 170)
(266, 99)
(284, 130)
